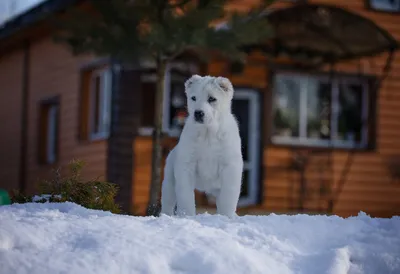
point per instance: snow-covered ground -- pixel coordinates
(66, 238)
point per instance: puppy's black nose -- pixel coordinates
(199, 116)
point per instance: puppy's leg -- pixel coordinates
(184, 189)
(228, 197)
(168, 197)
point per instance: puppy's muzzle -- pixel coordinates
(199, 116)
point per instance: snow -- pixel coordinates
(67, 238)
(45, 197)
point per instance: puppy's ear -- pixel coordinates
(189, 82)
(224, 84)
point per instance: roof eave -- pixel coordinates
(34, 16)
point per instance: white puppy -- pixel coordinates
(208, 155)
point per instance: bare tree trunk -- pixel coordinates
(155, 187)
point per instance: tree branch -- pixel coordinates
(160, 12)
(179, 52)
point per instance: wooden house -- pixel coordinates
(316, 139)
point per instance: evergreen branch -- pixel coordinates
(160, 11)
(128, 30)
(205, 3)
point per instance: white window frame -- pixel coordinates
(104, 101)
(183, 66)
(252, 165)
(302, 140)
(51, 138)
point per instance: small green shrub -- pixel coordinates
(93, 194)
(19, 198)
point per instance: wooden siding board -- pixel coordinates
(10, 116)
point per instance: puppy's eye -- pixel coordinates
(193, 98)
(211, 99)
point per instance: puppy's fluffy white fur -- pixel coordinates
(208, 155)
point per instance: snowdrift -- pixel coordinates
(67, 238)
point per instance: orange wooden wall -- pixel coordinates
(55, 71)
(141, 173)
(10, 118)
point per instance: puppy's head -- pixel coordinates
(208, 98)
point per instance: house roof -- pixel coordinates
(321, 33)
(33, 16)
(318, 33)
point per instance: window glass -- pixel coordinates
(287, 106)
(48, 131)
(313, 110)
(100, 104)
(319, 100)
(350, 112)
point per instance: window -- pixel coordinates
(48, 131)
(148, 96)
(174, 110)
(96, 104)
(320, 111)
(100, 104)
(384, 5)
